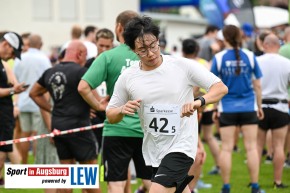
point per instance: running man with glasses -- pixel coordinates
(153, 48)
(160, 89)
(123, 141)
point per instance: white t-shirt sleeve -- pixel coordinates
(199, 75)
(120, 95)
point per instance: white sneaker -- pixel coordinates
(201, 185)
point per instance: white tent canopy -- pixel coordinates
(265, 17)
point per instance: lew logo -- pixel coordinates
(51, 176)
(84, 176)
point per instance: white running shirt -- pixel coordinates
(163, 91)
(275, 80)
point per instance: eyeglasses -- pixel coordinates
(152, 48)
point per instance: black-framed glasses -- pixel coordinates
(144, 51)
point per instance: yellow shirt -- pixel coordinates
(203, 62)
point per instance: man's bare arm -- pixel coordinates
(90, 96)
(115, 115)
(37, 93)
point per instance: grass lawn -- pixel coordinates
(239, 177)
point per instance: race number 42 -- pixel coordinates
(163, 122)
(162, 119)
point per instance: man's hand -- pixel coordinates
(16, 111)
(260, 113)
(215, 116)
(189, 108)
(201, 154)
(104, 103)
(18, 88)
(130, 107)
(92, 113)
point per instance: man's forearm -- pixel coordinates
(115, 115)
(42, 103)
(91, 100)
(216, 92)
(258, 92)
(87, 94)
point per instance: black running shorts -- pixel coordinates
(238, 119)
(173, 170)
(116, 156)
(81, 146)
(6, 133)
(273, 119)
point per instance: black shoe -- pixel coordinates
(2, 182)
(264, 152)
(217, 136)
(287, 163)
(236, 149)
(268, 160)
(279, 186)
(214, 171)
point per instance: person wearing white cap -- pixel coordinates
(10, 47)
(15, 42)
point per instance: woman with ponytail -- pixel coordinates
(241, 107)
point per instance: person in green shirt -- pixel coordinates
(123, 141)
(285, 49)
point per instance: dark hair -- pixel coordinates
(61, 54)
(2, 33)
(263, 35)
(104, 33)
(162, 42)
(211, 28)
(25, 35)
(138, 27)
(190, 46)
(232, 35)
(89, 29)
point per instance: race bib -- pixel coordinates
(162, 119)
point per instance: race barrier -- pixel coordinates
(54, 133)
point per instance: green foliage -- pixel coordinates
(255, 2)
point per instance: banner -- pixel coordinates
(211, 12)
(147, 4)
(242, 9)
(216, 11)
(51, 176)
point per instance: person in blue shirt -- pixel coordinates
(241, 107)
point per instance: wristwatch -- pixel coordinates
(201, 99)
(12, 92)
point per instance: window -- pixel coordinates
(42, 10)
(93, 10)
(68, 10)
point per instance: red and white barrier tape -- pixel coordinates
(55, 132)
